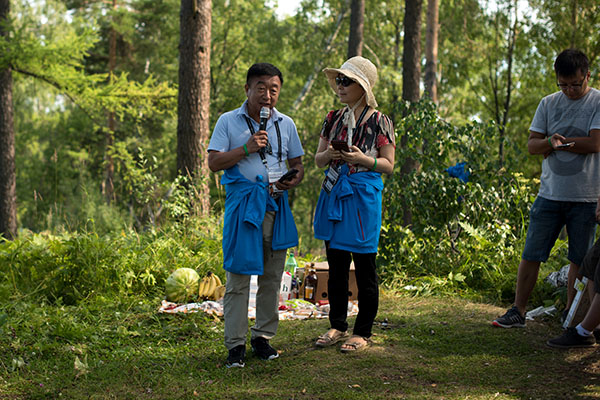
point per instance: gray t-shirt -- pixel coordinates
(569, 176)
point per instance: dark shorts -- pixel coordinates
(589, 267)
(547, 218)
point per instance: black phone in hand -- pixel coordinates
(340, 145)
(288, 175)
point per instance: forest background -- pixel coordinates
(105, 111)
(101, 200)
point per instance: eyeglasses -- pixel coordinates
(344, 81)
(571, 85)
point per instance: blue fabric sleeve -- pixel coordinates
(245, 207)
(285, 233)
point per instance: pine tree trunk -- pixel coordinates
(357, 24)
(411, 77)
(431, 50)
(194, 96)
(108, 187)
(8, 191)
(411, 58)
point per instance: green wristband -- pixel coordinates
(550, 141)
(374, 165)
(246, 150)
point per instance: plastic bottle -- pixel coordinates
(291, 264)
(310, 286)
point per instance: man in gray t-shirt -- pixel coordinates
(566, 131)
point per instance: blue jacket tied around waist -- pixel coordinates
(245, 207)
(350, 216)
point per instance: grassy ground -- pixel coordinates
(434, 348)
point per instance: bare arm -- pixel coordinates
(385, 158)
(325, 153)
(218, 160)
(539, 143)
(585, 145)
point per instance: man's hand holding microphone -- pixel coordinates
(259, 142)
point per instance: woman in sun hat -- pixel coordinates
(348, 213)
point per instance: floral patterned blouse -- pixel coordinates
(369, 136)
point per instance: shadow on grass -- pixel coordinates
(434, 348)
(456, 344)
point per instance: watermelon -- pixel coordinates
(182, 285)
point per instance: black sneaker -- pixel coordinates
(512, 319)
(572, 339)
(263, 349)
(236, 357)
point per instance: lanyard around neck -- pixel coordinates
(253, 131)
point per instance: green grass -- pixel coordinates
(435, 348)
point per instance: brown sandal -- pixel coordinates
(330, 337)
(354, 344)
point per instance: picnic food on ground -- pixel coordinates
(211, 287)
(182, 285)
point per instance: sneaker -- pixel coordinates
(597, 335)
(512, 319)
(263, 349)
(572, 339)
(236, 356)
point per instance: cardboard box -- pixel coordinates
(322, 270)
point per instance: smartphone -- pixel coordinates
(562, 146)
(340, 145)
(288, 175)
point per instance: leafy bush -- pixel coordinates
(68, 268)
(464, 236)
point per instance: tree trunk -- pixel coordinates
(411, 58)
(411, 77)
(512, 39)
(357, 24)
(574, 24)
(431, 50)
(396, 65)
(108, 187)
(194, 96)
(8, 191)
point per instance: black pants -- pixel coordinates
(337, 288)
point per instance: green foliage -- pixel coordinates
(63, 93)
(58, 59)
(465, 237)
(68, 268)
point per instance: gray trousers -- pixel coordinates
(235, 303)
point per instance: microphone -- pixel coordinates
(264, 116)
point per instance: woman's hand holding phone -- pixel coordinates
(340, 145)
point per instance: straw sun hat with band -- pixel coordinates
(358, 69)
(362, 71)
